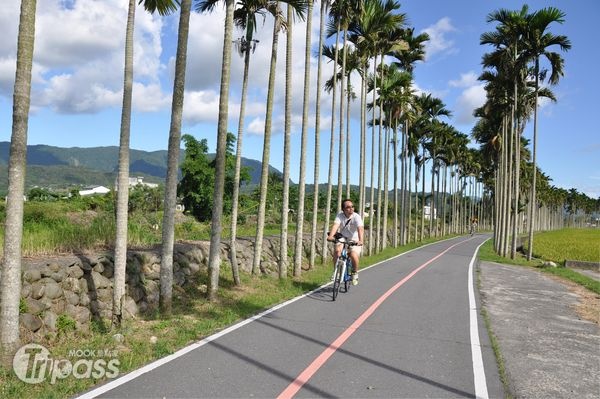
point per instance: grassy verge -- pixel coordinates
(150, 338)
(567, 244)
(486, 253)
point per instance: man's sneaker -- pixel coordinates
(355, 279)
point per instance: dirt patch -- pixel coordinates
(588, 307)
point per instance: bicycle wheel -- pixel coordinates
(348, 276)
(337, 280)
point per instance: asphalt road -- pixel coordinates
(407, 331)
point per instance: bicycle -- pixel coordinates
(343, 268)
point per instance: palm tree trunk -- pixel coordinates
(264, 178)
(342, 109)
(168, 227)
(283, 244)
(123, 176)
(315, 212)
(331, 146)
(533, 184)
(302, 177)
(10, 282)
(214, 258)
(372, 191)
(247, 49)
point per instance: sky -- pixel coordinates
(78, 78)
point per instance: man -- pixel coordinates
(350, 225)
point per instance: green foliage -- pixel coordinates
(65, 324)
(145, 199)
(23, 308)
(197, 184)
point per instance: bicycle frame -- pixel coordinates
(343, 269)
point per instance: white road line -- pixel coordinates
(157, 363)
(481, 390)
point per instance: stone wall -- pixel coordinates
(79, 287)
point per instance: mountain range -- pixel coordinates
(59, 167)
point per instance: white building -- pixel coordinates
(135, 181)
(94, 190)
(427, 210)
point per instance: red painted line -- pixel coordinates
(320, 360)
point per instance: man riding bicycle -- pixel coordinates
(350, 225)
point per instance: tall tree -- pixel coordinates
(123, 175)
(214, 258)
(245, 18)
(123, 168)
(168, 229)
(538, 41)
(278, 24)
(313, 232)
(303, 138)
(283, 242)
(13, 226)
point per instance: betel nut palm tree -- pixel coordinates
(163, 7)
(299, 8)
(168, 227)
(537, 43)
(13, 225)
(214, 259)
(245, 17)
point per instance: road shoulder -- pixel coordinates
(549, 348)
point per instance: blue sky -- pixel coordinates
(78, 61)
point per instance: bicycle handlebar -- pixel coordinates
(343, 240)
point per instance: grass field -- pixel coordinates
(568, 244)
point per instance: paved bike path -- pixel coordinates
(416, 343)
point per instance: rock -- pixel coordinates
(71, 297)
(105, 295)
(54, 267)
(32, 275)
(58, 306)
(25, 290)
(109, 270)
(50, 320)
(34, 306)
(137, 293)
(37, 290)
(194, 267)
(549, 264)
(71, 284)
(130, 309)
(58, 276)
(100, 281)
(84, 299)
(53, 290)
(153, 339)
(75, 271)
(81, 314)
(98, 267)
(30, 322)
(119, 338)
(152, 271)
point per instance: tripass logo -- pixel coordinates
(33, 364)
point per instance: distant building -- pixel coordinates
(136, 181)
(427, 210)
(94, 190)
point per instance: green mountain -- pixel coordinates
(58, 167)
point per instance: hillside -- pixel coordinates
(57, 167)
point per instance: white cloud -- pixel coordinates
(466, 80)
(79, 56)
(438, 41)
(470, 99)
(201, 106)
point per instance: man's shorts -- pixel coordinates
(357, 249)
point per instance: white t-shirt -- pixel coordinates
(349, 226)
